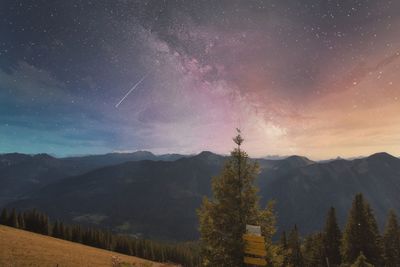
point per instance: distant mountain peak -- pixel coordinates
(138, 152)
(299, 158)
(295, 162)
(207, 155)
(143, 152)
(43, 156)
(382, 156)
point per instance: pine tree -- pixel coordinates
(13, 219)
(4, 217)
(123, 246)
(235, 204)
(331, 239)
(61, 230)
(391, 241)
(55, 232)
(76, 234)
(313, 251)
(43, 224)
(375, 255)
(361, 234)
(283, 245)
(295, 257)
(21, 221)
(361, 262)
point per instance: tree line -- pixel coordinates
(38, 222)
(360, 244)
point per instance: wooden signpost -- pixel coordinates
(255, 261)
(255, 251)
(254, 246)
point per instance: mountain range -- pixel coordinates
(157, 196)
(21, 174)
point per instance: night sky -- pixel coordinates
(315, 78)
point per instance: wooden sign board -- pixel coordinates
(251, 245)
(254, 244)
(255, 261)
(253, 238)
(255, 251)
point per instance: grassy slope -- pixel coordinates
(22, 248)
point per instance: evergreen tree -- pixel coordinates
(13, 219)
(43, 224)
(31, 221)
(235, 204)
(361, 234)
(76, 234)
(21, 221)
(361, 262)
(123, 246)
(375, 245)
(55, 232)
(283, 245)
(61, 230)
(4, 217)
(331, 239)
(391, 241)
(295, 257)
(313, 251)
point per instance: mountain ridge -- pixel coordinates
(158, 199)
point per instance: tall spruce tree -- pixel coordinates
(295, 257)
(21, 221)
(235, 203)
(55, 232)
(283, 246)
(13, 219)
(331, 239)
(4, 217)
(391, 241)
(375, 245)
(313, 251)
(360, 234)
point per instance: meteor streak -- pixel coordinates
(133, 88)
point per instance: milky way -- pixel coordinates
(317, 78)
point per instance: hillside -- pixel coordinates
(22, 248)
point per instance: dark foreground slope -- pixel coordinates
(159, 199)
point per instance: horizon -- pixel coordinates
(267, 157)
(316, 79)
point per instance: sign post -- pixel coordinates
(254, 246)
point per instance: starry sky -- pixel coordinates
(314, 78)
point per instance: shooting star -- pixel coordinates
(133, 88)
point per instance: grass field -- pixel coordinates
(21, 248)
